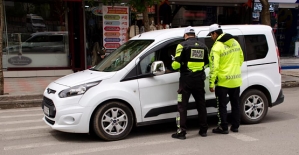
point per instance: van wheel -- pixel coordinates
(113, 121)
(254, 106)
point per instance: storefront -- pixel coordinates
(285, 23)
(207, 12)
(42, 36)
(62, 35)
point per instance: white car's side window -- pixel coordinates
(145, 63)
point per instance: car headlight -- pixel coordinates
(77, 90)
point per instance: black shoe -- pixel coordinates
(202, 134)
(181, 135)
(218, 130)
(234, 129)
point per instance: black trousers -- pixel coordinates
(222, 101)
(192, 83)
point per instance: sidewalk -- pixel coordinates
(28, 92)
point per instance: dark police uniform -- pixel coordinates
(191, 58)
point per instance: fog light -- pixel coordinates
(69, 120)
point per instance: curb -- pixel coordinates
(20, 104)
(290, 84)
(289, 67)
(20, 97)
(20, 101)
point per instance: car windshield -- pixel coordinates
(119, 58)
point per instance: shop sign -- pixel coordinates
(112, 39)
(96, 11)
(112, 17)
(111, 34)
(117, 10)
(19, 60)
(115, 26)
(150, 10)
(112, 45)
(112, 23)
(195, 15)
(111, 28)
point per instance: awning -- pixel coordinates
(281, 1)
(215, 2)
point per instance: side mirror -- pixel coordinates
(158, 68)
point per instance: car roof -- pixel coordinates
(178, 32)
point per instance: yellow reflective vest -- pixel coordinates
(226, 59)
(191, 56)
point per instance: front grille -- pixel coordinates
(48, 102)
(50, 121)
(52, 109)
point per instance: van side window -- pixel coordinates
(57, 38)
(256, 46)
(162, 54)
(39, 39)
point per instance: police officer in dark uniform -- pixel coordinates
(191, 58)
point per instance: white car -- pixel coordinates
(135, 86)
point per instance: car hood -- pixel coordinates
(82, 77)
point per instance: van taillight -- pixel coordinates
(278, 58)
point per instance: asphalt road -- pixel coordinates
(22, 132)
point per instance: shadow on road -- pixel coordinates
(166, 128)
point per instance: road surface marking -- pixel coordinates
(21, 122)
(178, 152)
(28, 136)
(117, 147)
(15, 116)
(30, 146)
(243, 137)
(22, 129)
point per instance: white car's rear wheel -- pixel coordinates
(254, 106)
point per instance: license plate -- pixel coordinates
(46, 110)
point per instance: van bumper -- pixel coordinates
(279, 99)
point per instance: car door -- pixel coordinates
(158, 94)
(158, 97)
(209, 42)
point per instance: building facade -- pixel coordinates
(57, 37)
(43, 38)
(285, 24)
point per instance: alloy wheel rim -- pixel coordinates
(114, 121)
(254, 107)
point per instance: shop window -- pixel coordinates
(256, 46)
(35, 35)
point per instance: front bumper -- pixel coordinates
(279, 99)
(65, 114)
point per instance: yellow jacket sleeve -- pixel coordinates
(214, 64)
(176, 64)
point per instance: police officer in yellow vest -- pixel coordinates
(226, 59)
(191, 58)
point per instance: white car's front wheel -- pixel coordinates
(254, 106)
(113, 121)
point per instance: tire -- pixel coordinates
(109, 115)
(253, 112)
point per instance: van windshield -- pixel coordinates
(119, 58)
